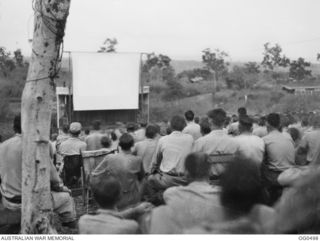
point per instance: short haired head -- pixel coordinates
(131, 127)
(217, 116)
(242, 111)
(177, 123)
(294, 133)
(96, 125)
(75, 128)
(205, 126)
(151, 131)
(197, 166)
(87, 131)
(273, 119)
(189, 115)
(65, 128)
(241, 185)
(105, 141)
(197, 119)
(17, 124)
(245, 123)
(106, 190)
(113, 136)
(126, 142)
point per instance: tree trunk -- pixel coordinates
(49, 24)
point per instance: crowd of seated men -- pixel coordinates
(212, 174)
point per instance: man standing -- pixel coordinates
(279, 156)
(192, 128)
(168, 160)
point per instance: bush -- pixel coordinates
(175, 91)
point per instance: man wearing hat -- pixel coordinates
(71, 150)
(74, 145)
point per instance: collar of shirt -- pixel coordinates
(110, 212)
(176, 133)
(217, 132)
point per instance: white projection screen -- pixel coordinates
(105, 81)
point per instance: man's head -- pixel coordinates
(131, 127)
(197, 166)
(245, 124)
(205, 126)
(87, 132)
(106, 190)
(151, 131)
(242, 111)
(126, 142)
(65, 128)
(17, 124)
(241, 185)
(105, 141)
(75, 128)
(189, 115)
(217, 117)
(273, 121)
(177, 123)
(96, 125)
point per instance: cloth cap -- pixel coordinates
(75, 127)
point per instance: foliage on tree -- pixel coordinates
(215, 61)
(298, 69)
(6, 62)
(252, 68)
(273, 57)
(161, 64)
(18, 57)
(318, 56)
(108, 46)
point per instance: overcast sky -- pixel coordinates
(178, 28)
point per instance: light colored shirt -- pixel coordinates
(250, 146)
(106, 222)
(125, 167)
(193, 129)
(140, 134)
(11, 166)
(311, 142)
(172, 150)
(260, 131)
(146, 149)
(186, 207)
(216, 142)
(279, 151)
(93, 141)
(234, 128)
(72, 146)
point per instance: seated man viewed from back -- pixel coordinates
(192, 128)
(126, 168)
(93, 140)
(217, 142)
(168, 160)
(250, 146)
(146, 148)
(11, 180)
(107, 220)
(187, 206)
